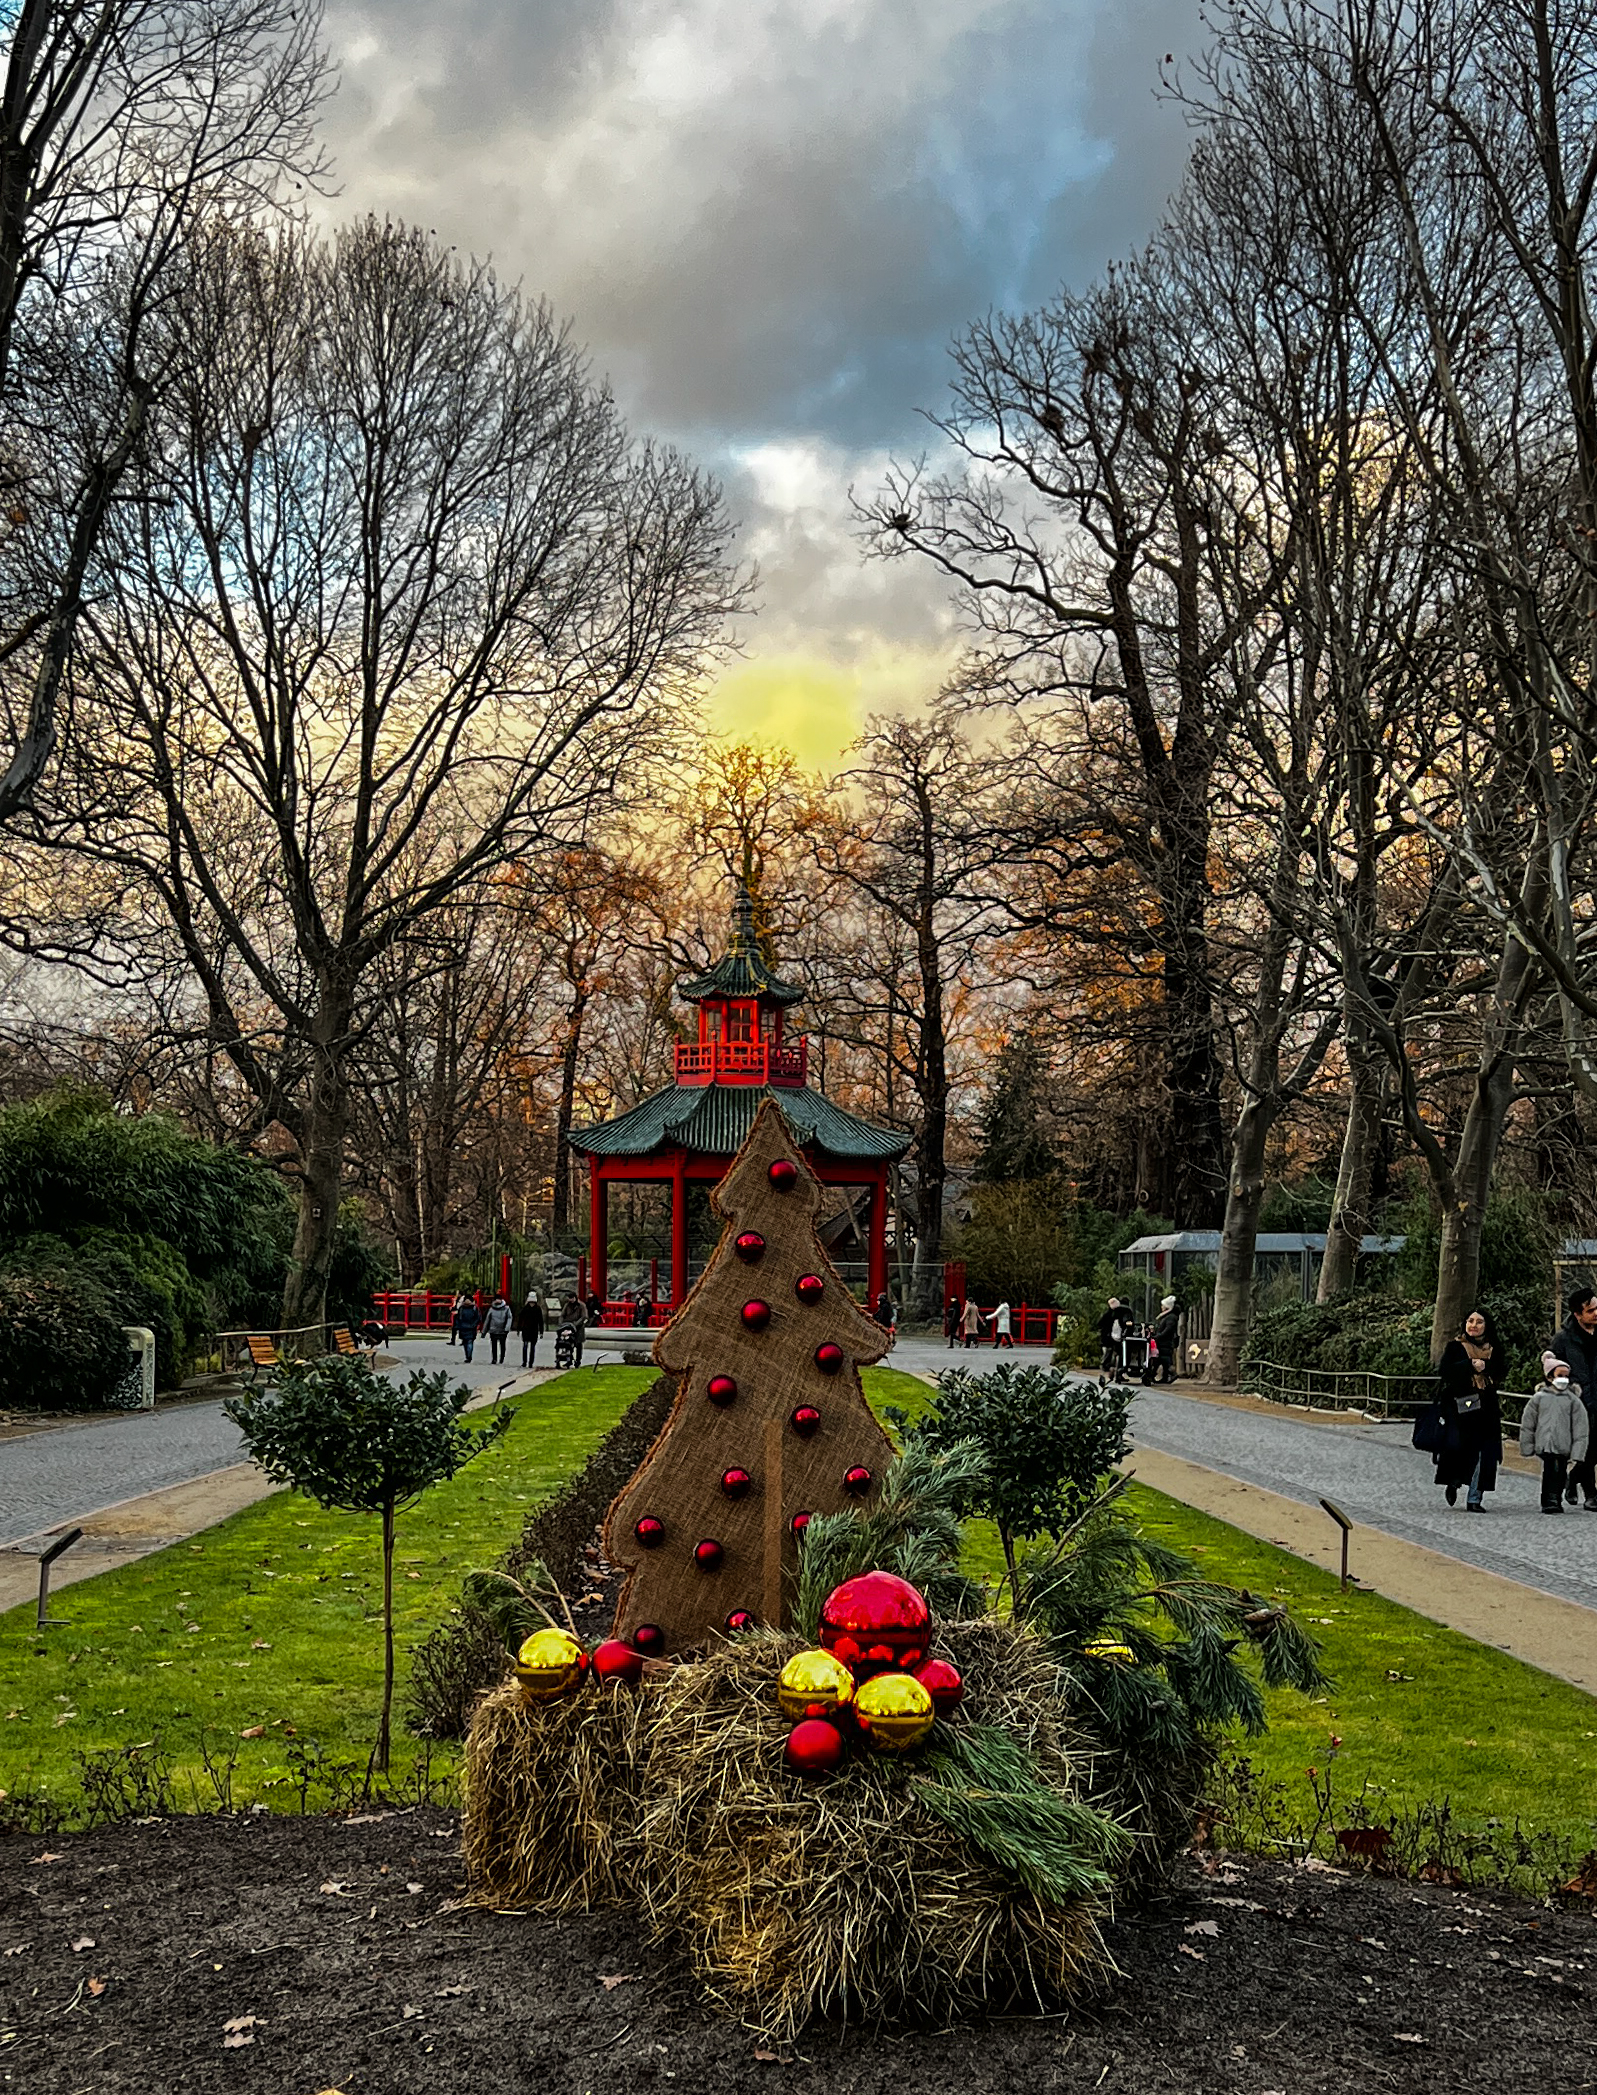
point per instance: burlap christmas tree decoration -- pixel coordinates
(769, 1426)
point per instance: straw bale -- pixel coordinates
(789, 1898)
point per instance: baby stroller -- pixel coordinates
(568, 1344)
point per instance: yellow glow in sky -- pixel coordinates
(817, 707)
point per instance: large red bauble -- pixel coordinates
(813, 1747)
(736, 1483)
(806, 1421)
(613, 1660)
(783, 1174)
(749, 1246)
(829, 1359)
(721, 1390)
(649, 1638)
(708, 1555)
(650, 1532)
(809, 1287)
(876, 1621)
(857, 1481)
(756, 1315)
(740, 1618)
(940, 1680)
(799, 1523)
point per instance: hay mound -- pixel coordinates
(849, 1896)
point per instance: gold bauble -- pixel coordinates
(550, 1662)
(895, 1711)
(1110, 1648)
(814, 1684)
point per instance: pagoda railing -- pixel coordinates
(742, 1062)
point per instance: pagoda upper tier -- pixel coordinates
(741, 1055)
(742, 1004)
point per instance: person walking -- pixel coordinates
(1000, 1324)
(951, 1319)
(454, 1317)
(1164, 1349)
(497, 1323)
(1576, 1346)
(1113, 1326)
(593, 1308)
(970, 1323)
(529, 1323)
(1471, 1373)
(466, 1323)
(1554, 1430)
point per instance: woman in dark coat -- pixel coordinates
(1471, 1372)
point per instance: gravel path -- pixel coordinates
(61, 1473)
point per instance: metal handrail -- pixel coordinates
(1383, 1397)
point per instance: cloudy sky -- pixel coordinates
(766, 218)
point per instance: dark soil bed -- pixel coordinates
(330, 1953)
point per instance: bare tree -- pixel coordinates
(913, 839)
(405, 603)
(1104, 546)
(121, 122)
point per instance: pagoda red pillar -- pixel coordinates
(679, 1232)
(876, 1249)
(597, 1232)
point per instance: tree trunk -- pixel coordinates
(1464, 1199)
(381, 1756)
(1361, 1138)
(931, 1167)
(560, 1217)
(321, 1181)
(1233, 1280)
(1195, 1176)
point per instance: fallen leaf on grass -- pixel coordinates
(1201, 1927)
(240, 2031)
(97, 1987)
(413, 1574)
(616, 1978)
(256, 1731)
(260, 1644)
(82, 1942)
(771, 2058)
(1407, 2037)
(413, 1887)
(1187, 1950)
(411, 2012)
(19, 1949)
(336, 1887)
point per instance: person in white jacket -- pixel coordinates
(1553, 1428)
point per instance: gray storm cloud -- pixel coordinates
(767, 217)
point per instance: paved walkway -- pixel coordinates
(63, 1472)
(1371, 1471)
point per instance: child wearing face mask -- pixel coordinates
(1554, 1427)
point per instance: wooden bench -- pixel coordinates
(344, 1341)
(263, 1354)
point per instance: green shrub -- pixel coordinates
(1045, 1443)
(1386, 1335)
(61, 1342)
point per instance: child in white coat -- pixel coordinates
(1554, 1428)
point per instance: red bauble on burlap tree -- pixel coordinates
(770, 1424)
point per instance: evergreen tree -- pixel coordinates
(1017, 1140)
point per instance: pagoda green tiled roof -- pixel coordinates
(712, 1120)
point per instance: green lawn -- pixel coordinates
(273, 1619)
(270, 1621)
(1423, 1714)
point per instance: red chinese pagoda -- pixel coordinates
(693, 1130)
